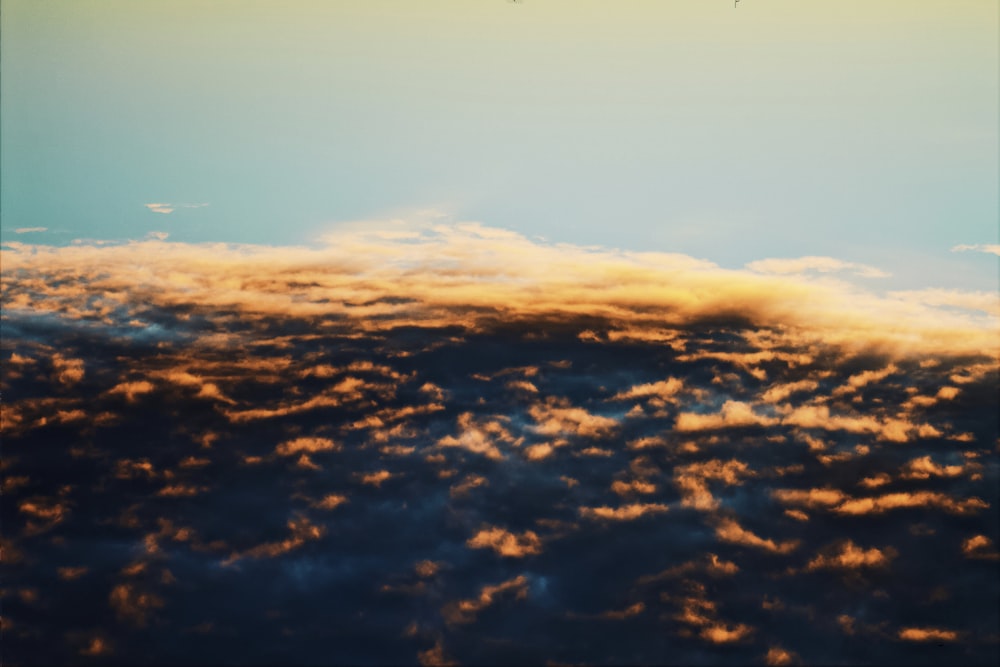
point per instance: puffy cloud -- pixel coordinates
(635, 486)
(819, 416)
(506, 543)
(306, 446)
(732, 415)
(375, 478)
(130, 390)
(823, 497)
(980, 546)
(924, 467)
(478, 437)
(628, 512)
(928, 635)
(725, 634)
(559, 418)
(67, 371)
(692, 480)
(849, 556)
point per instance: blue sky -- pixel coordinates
(865, 131)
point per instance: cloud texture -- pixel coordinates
(451, 444)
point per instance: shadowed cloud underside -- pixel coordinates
(453, 444)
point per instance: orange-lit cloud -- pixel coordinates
(465, 611)
(130, 390)
(849, 556)
(928, 635)
(733, 414)
(623, 513)
(980, 546)
(301, 530)
(728, 530)
(469, 265)
(559, 418)
(132, 604)
(306, 446)
(506, 543)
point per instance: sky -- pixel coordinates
(487, 332)
(864, 131)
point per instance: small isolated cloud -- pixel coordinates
(991, 248)
(506, 543)
(29, 230)
(163, 207)
(814, 263)
(157, 236)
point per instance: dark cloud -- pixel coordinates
(194, 477)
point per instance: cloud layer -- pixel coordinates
(451, 444)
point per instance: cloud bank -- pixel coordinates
(428, 444)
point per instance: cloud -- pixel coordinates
(486, 409)
(733, 414)
(301, 530)
(164, 208)
(30, 230)
(813, 263)
(305, 446)
(506, 543)
(991, 248)
(131, 390)
(628, 512)
(849, 556)
(980, 546)
(928, 635)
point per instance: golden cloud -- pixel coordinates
(506, 543)
(448, 270)
(465, 611)
(623, 513)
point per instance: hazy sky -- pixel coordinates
(863, 130)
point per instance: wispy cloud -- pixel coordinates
(29, 230)
(991, 248)
(814, 264)
(162, 207)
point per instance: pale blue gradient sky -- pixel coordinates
(861, 129)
